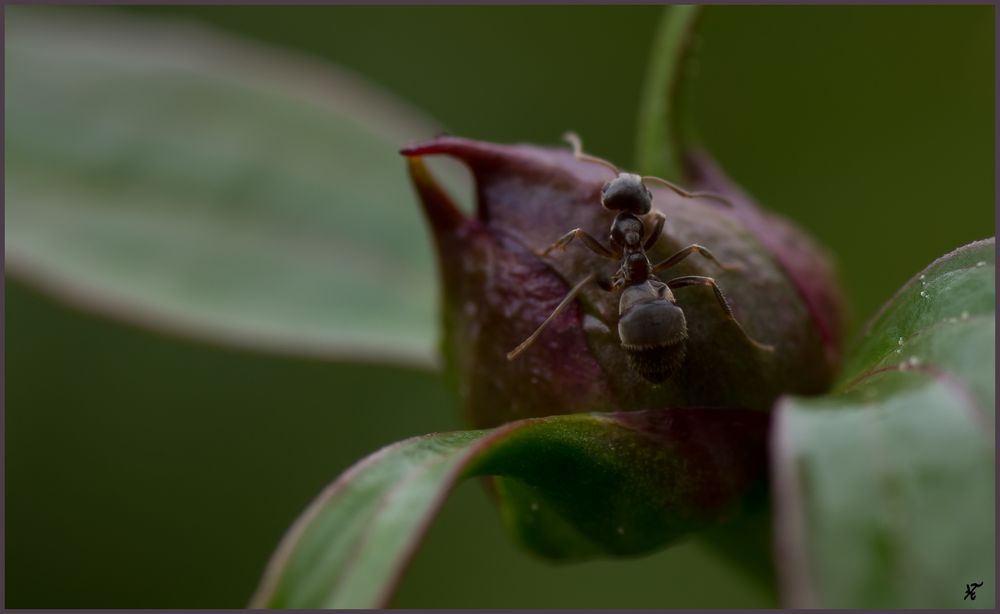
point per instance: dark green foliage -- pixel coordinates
(885, 490)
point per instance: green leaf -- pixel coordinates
(609, 484)
(658, 140)
(885, 490)
(182, 179)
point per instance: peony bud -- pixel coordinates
(497, 290)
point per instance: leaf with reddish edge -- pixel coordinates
(620, 484)
(185, 180)
(496, 291)
(885, 491)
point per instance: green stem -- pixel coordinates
(745, 542)
(659, 147)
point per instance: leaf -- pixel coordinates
(618, 484)
(181, 179)
(885, 491)
(659, 148)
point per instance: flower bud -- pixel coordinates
(498, 290)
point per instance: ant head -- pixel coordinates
(626, 192)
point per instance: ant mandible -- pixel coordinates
(651, 326)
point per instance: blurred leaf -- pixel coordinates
(885, 490)
(658, 141)
(613, 484)
(184, 180)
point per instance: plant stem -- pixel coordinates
(659, 146)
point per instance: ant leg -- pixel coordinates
(687, 251)
(656, 232)
(696, 280)
(604, 282)
(681, 191)
(559, 309)
(593, 244)
(574, 141)
(610, 284)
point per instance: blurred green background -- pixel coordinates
(145, 470)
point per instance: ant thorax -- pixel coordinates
(626, 233)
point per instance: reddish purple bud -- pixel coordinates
(497, 291)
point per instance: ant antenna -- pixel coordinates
(574, 140)
(682, 192)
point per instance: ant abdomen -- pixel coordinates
(658, 364)
(653, 330)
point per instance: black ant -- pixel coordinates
(651, 325)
